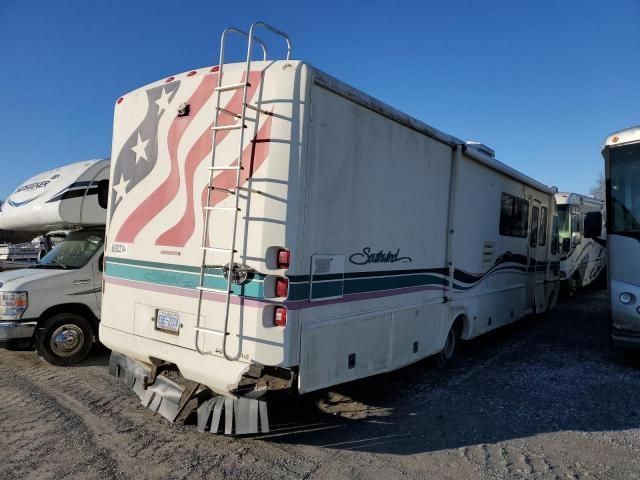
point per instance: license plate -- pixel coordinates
(168, 321)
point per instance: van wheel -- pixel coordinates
(64, 339)
(449, 353)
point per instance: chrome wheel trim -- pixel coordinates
(67, 340)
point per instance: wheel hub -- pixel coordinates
(67, 340)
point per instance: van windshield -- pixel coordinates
(624, 196)
(75, 251)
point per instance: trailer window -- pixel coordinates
(543, 227)
(555, 236)
(514, 216)
(533, 237)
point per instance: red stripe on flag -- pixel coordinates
(162, 196)
(253, 156)
(179, 234)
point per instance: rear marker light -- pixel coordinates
(282, 287)
(280, 316)
(215, 69)
(284, 256)
(192, 73)
(170, 79)
(120, 100)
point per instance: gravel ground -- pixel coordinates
(544, 398)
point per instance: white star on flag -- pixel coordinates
(163, 101)
(139, 148)
(121, 188)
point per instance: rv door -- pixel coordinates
(532, 263)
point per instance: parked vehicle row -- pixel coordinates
(269, 227)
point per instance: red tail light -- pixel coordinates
(282, 287)
(280, 316)
(284, 256)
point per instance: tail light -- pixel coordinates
(282, 287)
(284, 256)
(280, 316)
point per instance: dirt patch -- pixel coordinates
(544, 398)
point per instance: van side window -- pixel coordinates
(533, 237)
(514, 216)
(543, 226)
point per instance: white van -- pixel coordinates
(55, 304)
(312, 237)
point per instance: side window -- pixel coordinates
(533, 236)
(514, 216)
(543, 226)
(576, 228)
(555, 236)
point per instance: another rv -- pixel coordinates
(271, 227)
(55, 304)
(622, 172)
(583, 254)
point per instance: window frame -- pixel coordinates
(544, 221)
(515, 225)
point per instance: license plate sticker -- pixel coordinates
(168, 321)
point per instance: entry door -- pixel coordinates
(534, 227)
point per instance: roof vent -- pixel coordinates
(483, 148)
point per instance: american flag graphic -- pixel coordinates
(154, 143)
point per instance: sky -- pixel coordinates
(541, 82)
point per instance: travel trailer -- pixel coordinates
(583, 253)
(55, 304)
(622, 172)
(271, 227)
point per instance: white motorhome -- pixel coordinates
(583, 253)
(622, 172)
(55, 303)
(271, 227)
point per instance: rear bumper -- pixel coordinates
(625, 339)
(220, 375)
(17, 329)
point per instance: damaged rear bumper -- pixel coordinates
(239, 415)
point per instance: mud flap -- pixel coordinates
(162, 397)
(247, 415)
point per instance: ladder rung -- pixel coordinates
(235, 86)
(256, 109)
(228, 190)
(213, 290)
(223, 209)
(216, 249)
(229, 127)
(209, 330)
(236, 167)
(229, 112)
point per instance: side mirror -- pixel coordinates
(593, 225)
(103, 193)
(566, 245)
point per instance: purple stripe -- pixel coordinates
(291, 305)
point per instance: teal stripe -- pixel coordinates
(253, 288)
(170, 266)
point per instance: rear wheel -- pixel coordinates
(449, 353)
(64, 339)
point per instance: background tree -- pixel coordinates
(598, 189)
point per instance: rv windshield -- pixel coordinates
(75, 251)
(625, 189)
(564, 221)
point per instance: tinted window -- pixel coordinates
(514, 216)
(543, 226)
(533, 237)
(555, 236)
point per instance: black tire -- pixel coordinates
(64, 339)
(447, 356)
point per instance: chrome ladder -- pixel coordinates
(235, 191)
